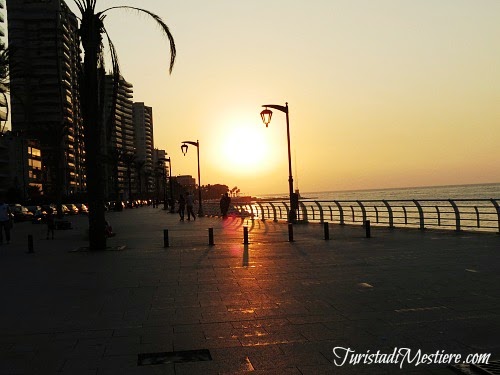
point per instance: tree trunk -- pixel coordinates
(92, 131)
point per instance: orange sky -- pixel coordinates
(386, 93)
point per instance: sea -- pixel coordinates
(477, 191)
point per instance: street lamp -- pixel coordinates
(184, 149)
(266, 115)
(170, 185)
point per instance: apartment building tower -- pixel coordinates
(119, 142)
(144, 146)
(45, 104)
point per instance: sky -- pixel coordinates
(381, 94)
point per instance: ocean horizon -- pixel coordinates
(463, 191)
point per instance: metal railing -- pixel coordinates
(456, 214)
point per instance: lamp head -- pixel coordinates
(266, 115)
(184, 148)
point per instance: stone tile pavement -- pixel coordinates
(269, 307)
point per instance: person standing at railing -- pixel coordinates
(225, 201)
(190, 204)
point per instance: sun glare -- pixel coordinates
(245, 149)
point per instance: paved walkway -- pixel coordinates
(270, 307)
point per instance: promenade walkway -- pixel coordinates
(270, 307)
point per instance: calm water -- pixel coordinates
(482, 191)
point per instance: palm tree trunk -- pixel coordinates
(92, 131)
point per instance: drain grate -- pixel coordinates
(145, 359)
(492, 368)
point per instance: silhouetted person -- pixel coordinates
(190, 204)
(5, 221)
(225, 201)
(182, 206)
(51, 224)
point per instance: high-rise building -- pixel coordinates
(44, 65)
(3, 88)
(144, 146)
(119, 143)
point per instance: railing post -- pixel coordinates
(303, 209)
(331, 212)
(251, 211)
(438, 215)
(363, 210)
(321, 217)
(497, 207)
(478, 221)
(275, 218)
(287, 210)
(389, 211)
(457, 214)
(352, 212)
(420, 214)
(262, 211)
(341, 212)
(376, 213)
(406, 216)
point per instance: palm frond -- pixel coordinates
(163, 27)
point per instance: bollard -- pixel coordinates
(327, 231)
(165, 238)
(30, 244)
(245, 235)
(211, 237)
(290, 232)
(367, 227)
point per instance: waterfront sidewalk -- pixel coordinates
(269, 307)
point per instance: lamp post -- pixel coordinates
(184, 149)
(170, 185)
(266, 115)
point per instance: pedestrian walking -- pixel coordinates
(51, 224)
(225, 201)
(190, 204)
(182, 206)
(5, 221)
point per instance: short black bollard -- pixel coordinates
(245, 235)
(30, 244)
(165, 238)
(326, 230)
(211, 237)
(290, 232)
(368, 229)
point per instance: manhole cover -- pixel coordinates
(145, 359)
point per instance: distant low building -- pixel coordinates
(187, 181)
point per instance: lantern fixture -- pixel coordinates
(184, 148)
(266, 115)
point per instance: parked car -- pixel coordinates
(20, 213)
(38, 214)
(82, 208)
(73, 210)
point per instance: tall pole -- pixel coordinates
(164, 187)
(200, 208)
(170, 186)
(290, 177)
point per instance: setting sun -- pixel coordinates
(245, 149)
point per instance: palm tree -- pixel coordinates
(92, 31)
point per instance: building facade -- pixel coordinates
(144, 148)
(119, 142)
(45, 101)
